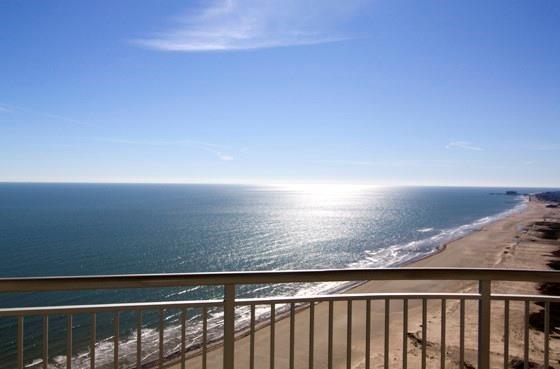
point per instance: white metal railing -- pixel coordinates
(229, 303)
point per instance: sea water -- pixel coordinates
(88, 229)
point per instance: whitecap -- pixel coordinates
(34, 363)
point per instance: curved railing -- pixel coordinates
(229, 303)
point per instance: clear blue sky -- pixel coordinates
(381, 92)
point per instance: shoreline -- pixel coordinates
(445, 255)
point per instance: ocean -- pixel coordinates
(88, 229)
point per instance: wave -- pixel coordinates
(401, 254)
(392, 256)
(34, 363)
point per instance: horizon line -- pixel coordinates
(273, 184)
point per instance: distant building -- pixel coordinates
(553, 196)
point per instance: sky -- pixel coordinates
(282, 91)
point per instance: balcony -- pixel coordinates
(478, 323)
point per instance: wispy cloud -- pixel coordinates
(466, 145)
(66, 119)
(215, 149)
(224, 157)
(222, 25)
(160, 142)
(388, 163)
(347, 162)
(12, 109)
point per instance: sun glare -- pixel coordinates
(325, 189)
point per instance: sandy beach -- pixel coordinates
(506, 243)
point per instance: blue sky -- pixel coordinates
(243, 91)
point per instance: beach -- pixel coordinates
(505, 243)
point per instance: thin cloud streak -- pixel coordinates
(224, 157)
(215, 149)
(463, 145)
(66, 119)
(389, 163)
(11, 109)
(347, 162)
(159, 142)
(227, 25)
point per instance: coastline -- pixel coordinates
(415, 251)
(485, 247)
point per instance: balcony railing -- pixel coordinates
(322, 342)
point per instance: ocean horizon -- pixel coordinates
(90, 229)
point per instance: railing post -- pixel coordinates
(484, 288)
(229, 325)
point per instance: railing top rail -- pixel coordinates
(266, 277)
(98, 308)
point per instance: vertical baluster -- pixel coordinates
(405, 334)
(546, 333)
(526, 337)
(69, 342)
(229, 326)
(204, 336)
(462, 334)
(349, 335)
(443, 344)
(161, 331)
(116, 323)
(311, 334)
(20, 342)
(368, 333)
(183, 337)
(386, 339)
(330, 338)
(92, 340)
(272, 333)
(484, 306)
(252, 342)
(139, 339)
(506, 334)
(292, 333)
(45, 341)
(424, 331)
